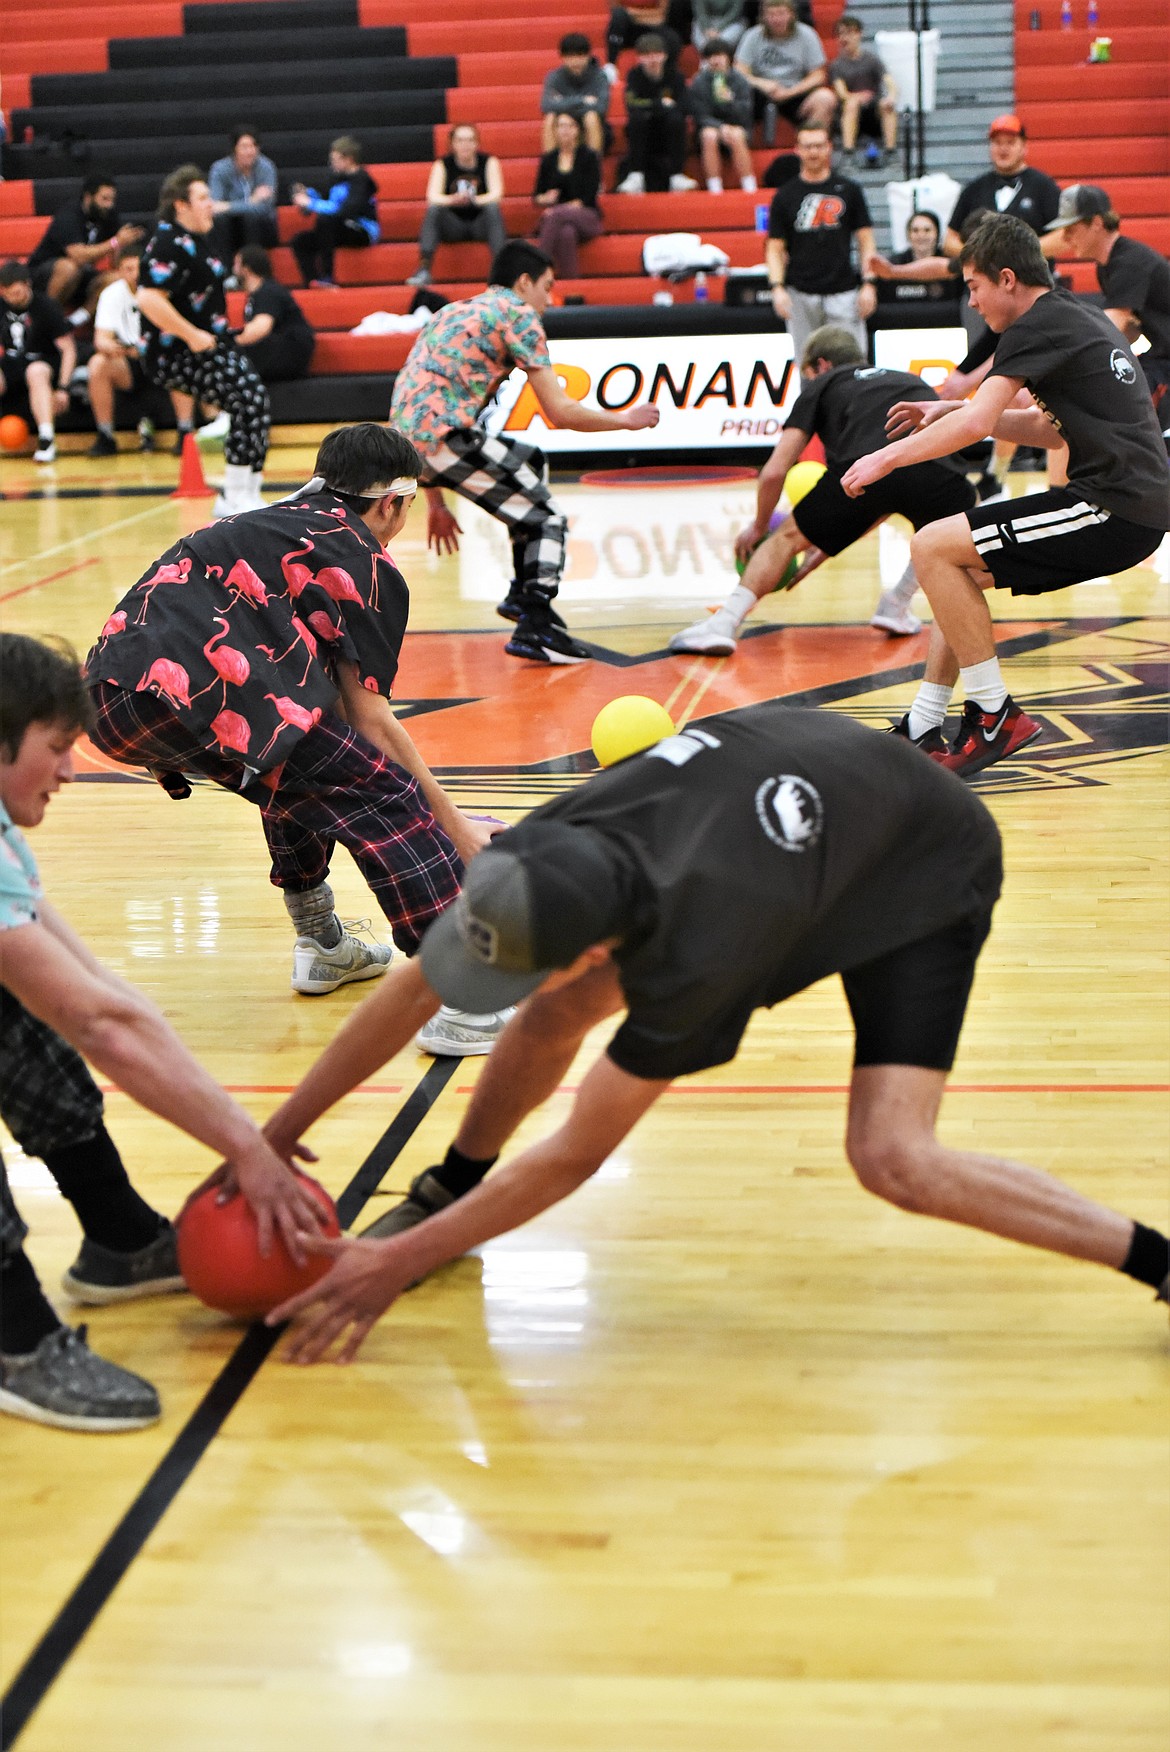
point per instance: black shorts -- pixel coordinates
(14, 371)
(908, 1006)
(831, 520)
(1046, 541)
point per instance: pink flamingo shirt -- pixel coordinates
(239, 626)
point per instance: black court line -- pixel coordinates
(75, 1619)
(158, 490)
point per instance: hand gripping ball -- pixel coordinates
(219, 1255)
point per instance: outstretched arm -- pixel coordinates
(940, 436)
(560, 409)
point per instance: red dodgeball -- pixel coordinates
(219, 1255)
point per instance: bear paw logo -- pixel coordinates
(1122, 366)
(790, 812)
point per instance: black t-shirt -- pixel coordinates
(846, 409)
(191, 275)
(816, 222)
(32, 333)
(912, 291)
(1028, 195)
(1083, 376)
(274, 300)
(72, 224)
(579, 183)
(645, 95)
(768, 847)
(1137, 278)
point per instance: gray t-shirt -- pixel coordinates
(787, 60)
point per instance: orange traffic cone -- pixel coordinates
(191, 485)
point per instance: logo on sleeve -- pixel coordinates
(1122, 366)
(790, 812)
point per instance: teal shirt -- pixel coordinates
(20, 883)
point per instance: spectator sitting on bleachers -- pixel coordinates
(243, 195)
(923, 234)
(347, 217)
(37, 356)
(866, 92)
(79, 244)
(464, 195)
(656, 123)
(275, 336)
(117, 358)
(721, 103)
(578, 87)
(720, 20)
(784, 62)
(566, 188)
(1134, 281)
(628, 23)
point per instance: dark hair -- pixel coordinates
(835, 344)
(568, 116)
(349, 147)
(243, 131)
(177, 187)
(974, 220)
(355, 458)
(1002, 242)
(15, 273)
(40, 683)
(650, 43)
(97, 180)
(847, 21)
(256, 259)
(716, 46)
(575, 43)
(129, 252)
(517, 258)
(924, 213)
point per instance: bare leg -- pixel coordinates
(889, 115)
(709, 153)
(741, 156)
(547, 133)
(593, 131)
(38, 380)
(766, 567)
(850, 117)
(106, 373)
(894, 1152)
(950, 572)
(63, 279)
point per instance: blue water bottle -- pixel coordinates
(1066, 14)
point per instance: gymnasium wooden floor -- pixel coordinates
(721, 1455)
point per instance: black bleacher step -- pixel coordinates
(255, 46)
(276, 15)
(210, 80)
(352, 113)
(119, 158)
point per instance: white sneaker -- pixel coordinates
(680, 184)
(707, 638)
(215, 431)
(316, 970)
(892, 616)
(46, 450)
(454, 1033)
(234, 505)
(634, 184)
(611, 72)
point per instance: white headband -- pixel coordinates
(404, 485)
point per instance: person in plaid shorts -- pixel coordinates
(260, 653)
(455, 367)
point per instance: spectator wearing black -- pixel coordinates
(465, 192)
(567, 183)
(1010, 186)
(864, 89)
(346, 217)
(243, 195)
(37, 356)
(656, 122)
(924, 241)
(813, 223)
(275, 336)
(721, 103)
(579, 88)
(80, 242)
(627, 24)
(1134, 281)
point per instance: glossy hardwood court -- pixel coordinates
(721, 1455)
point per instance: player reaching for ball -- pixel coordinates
(845, 403)
(602, 902)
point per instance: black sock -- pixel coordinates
(92, 1177)
(1148, 1259)
(26, 1315)
(459, 1173)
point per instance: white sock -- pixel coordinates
(904, 591)
(929, 710)
(714, 185)
(738, 605)
(256, 481)
(237, 480)
(45, 434)
(749, 185)
(983, 683)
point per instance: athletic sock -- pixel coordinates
(1148, 1259)
(459, 1173)
(105, 427)
(983, 683)
(311, 911)
(237, 481)
(714, 185)
(93, 1177)
(26, 1314)
(45, 434)
(738, 605)
(749, 185)
(905, 590)
(929, 711)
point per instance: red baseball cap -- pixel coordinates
(1006, 125)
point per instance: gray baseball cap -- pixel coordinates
(531, 902)
(1081, 201)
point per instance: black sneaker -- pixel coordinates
(542, 641)
(426, 1196)
(985, 737)
(517, 604)
(64, 1384)
(103, 445)
(931, 742)
(99, 1275)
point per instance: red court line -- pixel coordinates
(280, 1088)
(50, 579)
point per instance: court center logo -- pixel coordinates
(790, 812)
(1122, 366)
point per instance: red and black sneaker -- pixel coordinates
(985, 737)
(931, 742)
